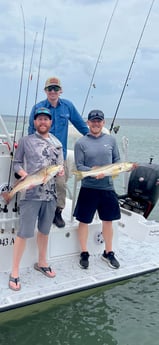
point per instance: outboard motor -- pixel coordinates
(143, 189)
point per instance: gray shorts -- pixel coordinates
(31, 211)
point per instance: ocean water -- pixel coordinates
(120, 314)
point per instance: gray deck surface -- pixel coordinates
(134, 257)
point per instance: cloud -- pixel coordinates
(73, 37)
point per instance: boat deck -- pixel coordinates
(135, 258)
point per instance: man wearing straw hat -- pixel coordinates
(62, 111)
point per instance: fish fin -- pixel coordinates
(135, 165)
(18, 182)
(115, 175)
(24, 189)
(45, 180)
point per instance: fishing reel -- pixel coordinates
(5, 188)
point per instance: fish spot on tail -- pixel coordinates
(6, 197)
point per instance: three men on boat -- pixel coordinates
(41, 148)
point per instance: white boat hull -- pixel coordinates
(135, 257)
(135, 244)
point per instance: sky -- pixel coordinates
(76, 40)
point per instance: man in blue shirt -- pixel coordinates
(62, 111)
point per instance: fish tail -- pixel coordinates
(78, 174)
(6, 196)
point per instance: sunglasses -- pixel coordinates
(96, 113)
(56, 88)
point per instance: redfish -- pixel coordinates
(40, 177)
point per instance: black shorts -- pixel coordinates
(92, 200)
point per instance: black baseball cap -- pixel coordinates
(96, 114)
(42, 111)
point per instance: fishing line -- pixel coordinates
(132, 62)
(99, 55)
(42, 43)
(28, 83)
(19, 97)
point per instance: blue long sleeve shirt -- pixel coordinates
(64, 112)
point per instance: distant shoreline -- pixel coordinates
(121, 122)
(107, 118)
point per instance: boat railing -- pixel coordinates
(6, 137)
(6, 134)
(71, 179)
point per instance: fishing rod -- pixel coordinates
(28, 83)
(42, 43)
(99, 55)
(5, 209)
(131, 65)
(19, 97)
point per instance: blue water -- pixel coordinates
(121, 314)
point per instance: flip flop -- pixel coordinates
(15, 281)
(45, 270)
